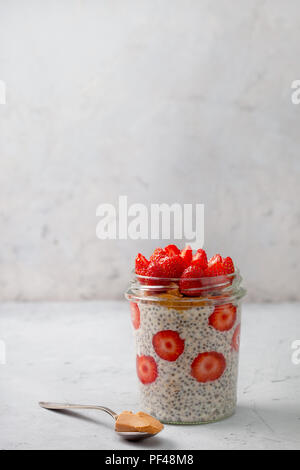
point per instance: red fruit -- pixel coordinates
(187, 255)
(157, 254)
(190, 281)
(215, 266)
(168, 345)
(172, 267)
(228, 265)
(141, 264)
(200, 259)
(223, 317)
(146, 368)
(172, 250)
(135, 315)
(208, 366)
(235, 343)
(154, 270)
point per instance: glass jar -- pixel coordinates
(187, 346)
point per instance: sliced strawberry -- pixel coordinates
(172, 267)
(156, 271)
(223, 317)
(208, 366)
(187, 255)
(200, 259)
(172, 250)
(215, 266)
(141, 265)
(190, 281)
(135, 315)
(228, 265)
(235, 343)
(168, 345)
(157, 254)
(146, 368)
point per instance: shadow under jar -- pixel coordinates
(187, 346)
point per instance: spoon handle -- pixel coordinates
(66, 406)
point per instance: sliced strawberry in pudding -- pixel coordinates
(135, 315)
(208, 366)
(223, 317)
(168, 345)
(146, 368)
(235, 343)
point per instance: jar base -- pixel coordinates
(190, 423)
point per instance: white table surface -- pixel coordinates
(84, 353)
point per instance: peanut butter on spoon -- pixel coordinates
(139, 422)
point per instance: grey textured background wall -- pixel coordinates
(163, 101)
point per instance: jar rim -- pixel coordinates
(216, 290)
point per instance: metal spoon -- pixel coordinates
(130, 436)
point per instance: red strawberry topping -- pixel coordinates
(215, 266)
(208, 366)
(190, 281)
(228, 265)
(135, 315)
(172, 250)
(146, 368)
(157, 254)
(200, 259)
(141, 265)
(168, 345)
(187, 255)
(172, 267)
(154, 270)
(236, 338)
(171, 263)
(223, 317)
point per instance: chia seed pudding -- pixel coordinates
(187, 346)
(176, 396)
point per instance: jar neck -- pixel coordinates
(213, 290)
